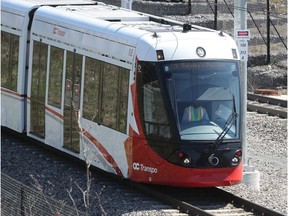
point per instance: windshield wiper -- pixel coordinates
(226, 128)
(228, 125)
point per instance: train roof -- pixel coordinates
(62, 2)
(114, 25)
(134, 18)
(112, 31)
(21, 10)
(47, 2)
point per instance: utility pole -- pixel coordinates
(241, 36)
(240, 23)
(127, 4)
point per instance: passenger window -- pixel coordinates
(55, 76)
(9, 60)
(91, 89)
(72, 100)
(106, 94)
(123, 103)
(38, 88)
(110, 95)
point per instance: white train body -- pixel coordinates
(113, 37)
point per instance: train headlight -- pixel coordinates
(160, 54)
(201, 52)
(237, 158)
(187, 161)
(235, 161)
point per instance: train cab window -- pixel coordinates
(55, 76)
(155, 118)
(154, 114)
(205, 98)
(9, 60)
(196, 100)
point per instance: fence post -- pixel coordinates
(268, 32)
(22, 208)
(215, 14)
(189, 7)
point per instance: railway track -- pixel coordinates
(193, 201)
(206, 201)
(267, 105)
(33, 173)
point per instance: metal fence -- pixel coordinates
(19, 199)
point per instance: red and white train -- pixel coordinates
(144, 97)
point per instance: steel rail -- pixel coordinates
(267, 110)
(184, 200)
(265, 99)
(174, 202)
(266, 105)
(247, 205)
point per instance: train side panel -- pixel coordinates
(14, 33)
(82, 88)
(80, 92)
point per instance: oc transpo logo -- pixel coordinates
(141, 167)
(58, 31)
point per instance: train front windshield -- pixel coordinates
(190, 101)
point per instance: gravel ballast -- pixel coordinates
(267, 152)
(267, 149)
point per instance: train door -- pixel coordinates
(38, 89)
(72, 101)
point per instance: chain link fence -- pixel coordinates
(19, 199)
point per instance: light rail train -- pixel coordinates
(147, 98)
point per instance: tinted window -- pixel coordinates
(38, 88)
(106, 94)
(9, 60)
(55, 76)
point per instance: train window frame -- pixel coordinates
(55, 80)
(91, 81)
(38, 95)
(112, 83)
(9, 77)
(72, 100)
(109, 95)
(123, 99)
